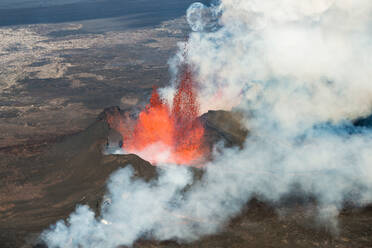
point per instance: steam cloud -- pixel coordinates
(300, 70)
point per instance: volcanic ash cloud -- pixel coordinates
(300, 70)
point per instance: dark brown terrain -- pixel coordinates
(55, 79)
(44, 184)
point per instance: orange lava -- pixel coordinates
(164, 134)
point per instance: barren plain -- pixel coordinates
(56, 78)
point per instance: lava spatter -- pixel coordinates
(167, 134)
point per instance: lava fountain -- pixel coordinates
(163, 132)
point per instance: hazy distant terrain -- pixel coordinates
(14, 4)
(147, 12)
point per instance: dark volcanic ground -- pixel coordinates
(59, 68)
(44, 186)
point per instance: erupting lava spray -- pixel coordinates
(174, 132)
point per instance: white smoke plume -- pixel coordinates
(301, 71)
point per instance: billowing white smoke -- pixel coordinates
(301, 71)
(302, 61)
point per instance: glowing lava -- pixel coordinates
(164, 134)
